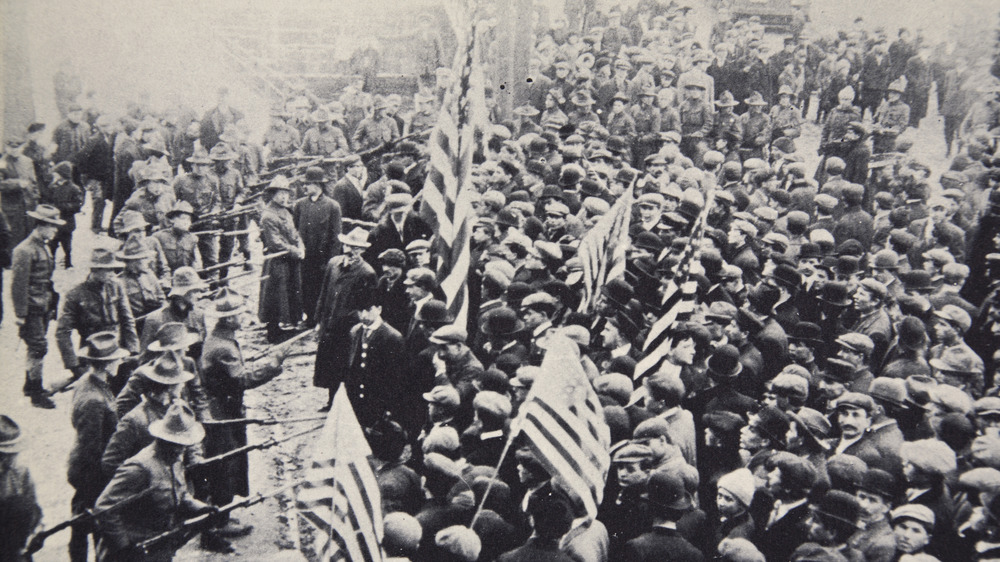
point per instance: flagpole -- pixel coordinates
(496, 475)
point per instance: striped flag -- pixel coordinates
(678, 300)
(563, 422)
(603, 249)
(447, 204)
(341, 498)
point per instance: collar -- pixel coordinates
(420, 303)
(781, 509)
(541, 328)
(490, 434)
(668, 525)
(621, 351)
(669, 412)
(914, 493)
(844, 444)
(375, 326)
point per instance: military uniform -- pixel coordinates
(35, 301)
(727, 128)
(153, 209)
(891, 119)
(327, 142)
(91, 307)
(372, 133)
(696, 125)
(180, 248)
(756, 135)
(203, 195)
(232, 192)
(282, 140)
(785, 122)
(143, 290)
(281, 291)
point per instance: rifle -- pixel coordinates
(230, 263)
(311, 161)
(192, 526)
(247, 448)
(228, 213)
(262, 421)
(281, 345)
(38, 539)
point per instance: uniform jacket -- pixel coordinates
(375, 377)
(94, 418)
(154, 209)
(131, 435)
(329, 142)
(232, 190)
(31, 277)
(194, 321)
(371, 133)
(180, 248)
(785, 122)
(283, 140)
(93, 307)
(17, 493)
(193, 393)
(202, 192)
(144, 292)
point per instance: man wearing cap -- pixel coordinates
(22, 514)
(317, 218)
(399, 227)
(454, 363)
(786, 119)
(647, 119)
(696, 119)
(727, 131)
(153, 198)
(94, 418)
(141, 285)
(891, 118)
(876, 495)
(668, 501)
(836, 126)
(35, 300)
(832, 521)
(280, 305)
(98, 304)
(348, 286)
(65, 195)
(854, 417)
(158, 470)
(232, 192)
(872, 317)
(390, 293)
(200, 191)
(324, 138)
(937, 230)
(182, 306)
(375, 130)
(952, 354)
(789, 480)
(739, 250)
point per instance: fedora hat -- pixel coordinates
(199, 157)
(167, 369)
(279, 182)
(102, 258)
(357, 238)
(10, 435)
(180, 207)
(228, 303)
(173, 336)
(501, 321)
(178, 426)
(184, 281)
(103, 346)
(134, 249)
(46, 213)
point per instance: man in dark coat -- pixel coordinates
(390, 293)
(95, 164)
(375, 366)
(318, 220)
(348, 286)
(855, 223)
(398, 228)
(349, 191)
(789, 480)
(668, 501)
(281, 290)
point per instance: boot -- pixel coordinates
(212, 542)
(33, 385)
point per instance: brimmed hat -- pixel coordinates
(878, 481)
(279, 183)
(724, 363)
(173, 336)
(434, 312)
(917, 512)
(227, 303)
(134, 249)
(199, 157)
(184, 281)
(755, 99)
(220, 153)
(48, 214)
(785, 90)
(132, 220)
(357, 238)
(445, 395)
(315, 174)
(839, 506)
(815, 424)
(449, 334)
(102, 258)
(178, 426)
(501, 321)
(955, 316)
(180, 207)
(666, 489)
(167, 369)
(103, 346)
(10, 435)
(835, 293)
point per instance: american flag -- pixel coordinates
(563, 422)
(678, 300)
(341, 498)
(603, 249)
(448, 189)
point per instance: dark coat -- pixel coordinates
(375, 371)
(536, 550)
(97, 161)
(94, 418)
(346, 289)
(778, 541)
(659, 545)
(348, 197)
(93, 307)
(281, 291)
(395, 304)
(386, 235)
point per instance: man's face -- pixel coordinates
(863, 299)
(353, 252)
(853, 357)
(610, 336)
(750, 437)
(818, 532)
(631, 474)
(181, 222)
(280, 198)
(853, 422)
(873, 506)
(555, 220)
(944, 331)
(357, 170)
(800, 353)
(939, 214)
(392, 272)
(911, 537)
(684, 352)
(415, 292)
(727, 504)
(649, 213)
(773, 483)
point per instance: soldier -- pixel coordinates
(647, 125)
(141, 285)
(132, 225)
(153, 199)
(66, 196)
(756, 127)
(696, 122)
(281, 139)
(180, 247)
(324, 138)
(21, 513)
(94, 418)
(374, 131)
(35, 300)
(619, 122)
(201, 192)
(172, 337)
(98, 304)
(232, 192)
(181, 306)
(727, 133)
(891, 118)
(281, 290)
(786, 120)
(157, 474)
(226, 377)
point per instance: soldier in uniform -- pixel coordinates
(696, 122)
(94, 418)
(21, 512)
(181, 306)
(620, 123)
(35, 300)
(281, 139)
(786, 120)
(727, 132)
(179, 246)
(324, 138)
(832, 139)
(226, 377)
(200, 191)
(99, 304)
(647, 125)
(281, 290)
(141, 285)
(891, 118)
(132, 225)
(156, 473)
(232, 192)
(756, 127)
(374, 131)
(153, 199)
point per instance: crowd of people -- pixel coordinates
(831, 396)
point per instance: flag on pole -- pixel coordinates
(341, 498)
(603, 249)
(447, 204)
(678, 300)
(563, 421)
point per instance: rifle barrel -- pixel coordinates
(251, 447)
(281, 345)
(263, 421)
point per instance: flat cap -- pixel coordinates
(449, 334)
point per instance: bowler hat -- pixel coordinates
(434, 312)
(835, 293)
(839, 506)
(724, 363)
(878, 481)
(787, 276)
(315, 174)
(178, 426)
(666, 490)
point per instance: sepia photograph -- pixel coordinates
(500, 280)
